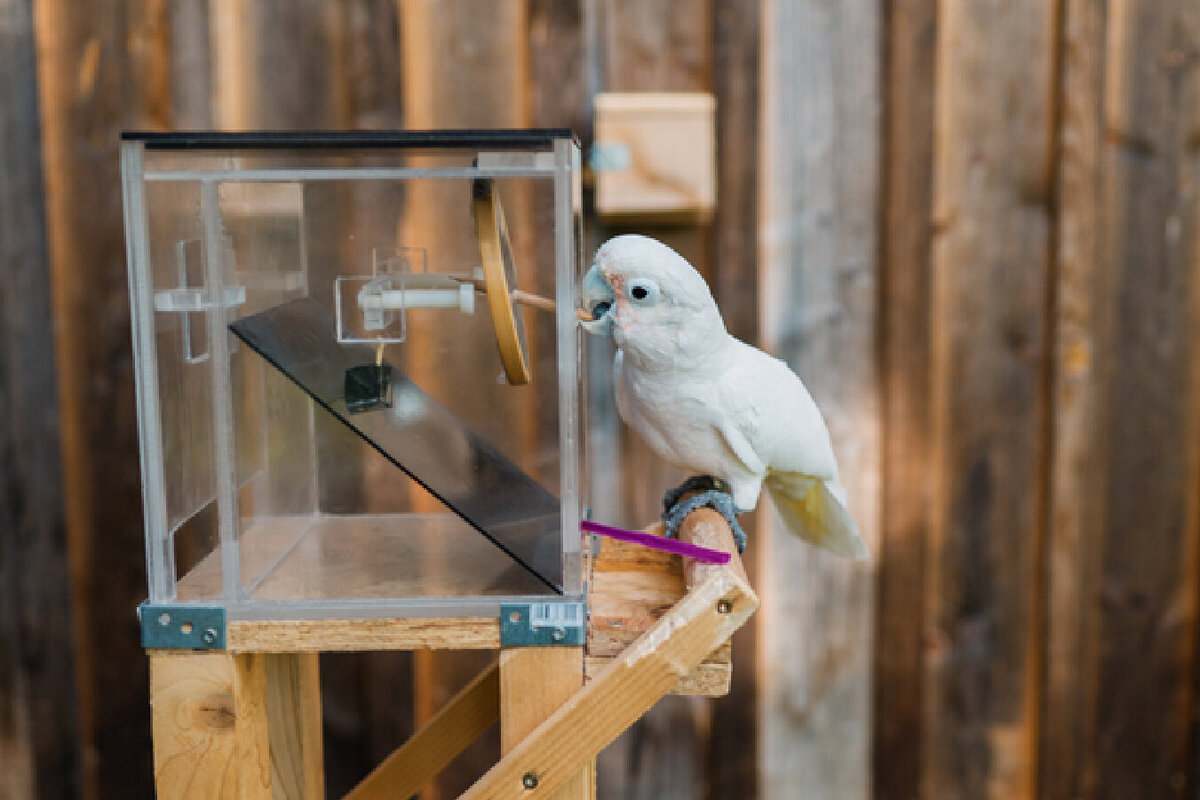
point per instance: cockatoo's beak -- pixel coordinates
(598, 297)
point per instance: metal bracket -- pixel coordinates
(542, 624)
(182, 627)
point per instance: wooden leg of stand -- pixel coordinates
(210, 726)
(293, 699)
(236, 727)
(534, 683)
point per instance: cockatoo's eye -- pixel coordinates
(643, 292)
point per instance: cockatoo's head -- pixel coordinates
(651, 300)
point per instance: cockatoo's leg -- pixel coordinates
(711, 492)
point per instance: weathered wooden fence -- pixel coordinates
(972, 227)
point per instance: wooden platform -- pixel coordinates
(245, 723)
(631, 588)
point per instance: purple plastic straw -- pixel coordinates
(706, 554)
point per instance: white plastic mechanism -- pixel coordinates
(461, 297)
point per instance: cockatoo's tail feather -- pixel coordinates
(813, 512)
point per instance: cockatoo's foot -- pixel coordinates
(696, 483)
(713, 493)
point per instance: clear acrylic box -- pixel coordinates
(358, 370)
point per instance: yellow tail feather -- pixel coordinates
(816, 515)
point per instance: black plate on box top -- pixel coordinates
(415, 433)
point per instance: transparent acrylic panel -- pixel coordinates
(270, 495)
(425, 440)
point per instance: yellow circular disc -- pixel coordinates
(500, 278)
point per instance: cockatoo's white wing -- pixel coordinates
(770, 418)
(767, 410)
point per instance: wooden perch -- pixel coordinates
(718, 602)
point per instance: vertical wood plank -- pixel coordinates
(371, 31)
(382, 689)
(278, 65)
(292, 700)
(655, 46)
(39, 755)
(910, 36)
(819, 230)
(1079, 450)
(559, 53)
(463, 65)
(1148, 588)
(731, 760)
(102, 67)
(991, 255)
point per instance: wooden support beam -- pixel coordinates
(209, 718)
(293, 701)
(534, 683)
(460, 722)
(236, 727)
(559, 747)
(362, 635)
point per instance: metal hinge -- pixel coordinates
(540, 624)
(182, 627)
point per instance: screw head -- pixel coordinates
(724, 606)
(209, 636)
(529, 780)
(558, 634)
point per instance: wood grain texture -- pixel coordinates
(1079, 446)
(210, 727)
(559, 66)
(404, 772)
(534, 683)
(1149, 572)
(39, 756)
(819, 227)
(101, 68)
(382, 692)
(732, 757)
(462, 65)
(632, 587)
(598, 712)
(656, 45)
(991, 255)
(651, 46)
(670, 174)
(292, 698)
(320, 635)
(278, 65)
(905, 413)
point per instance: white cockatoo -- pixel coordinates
(709, 403)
